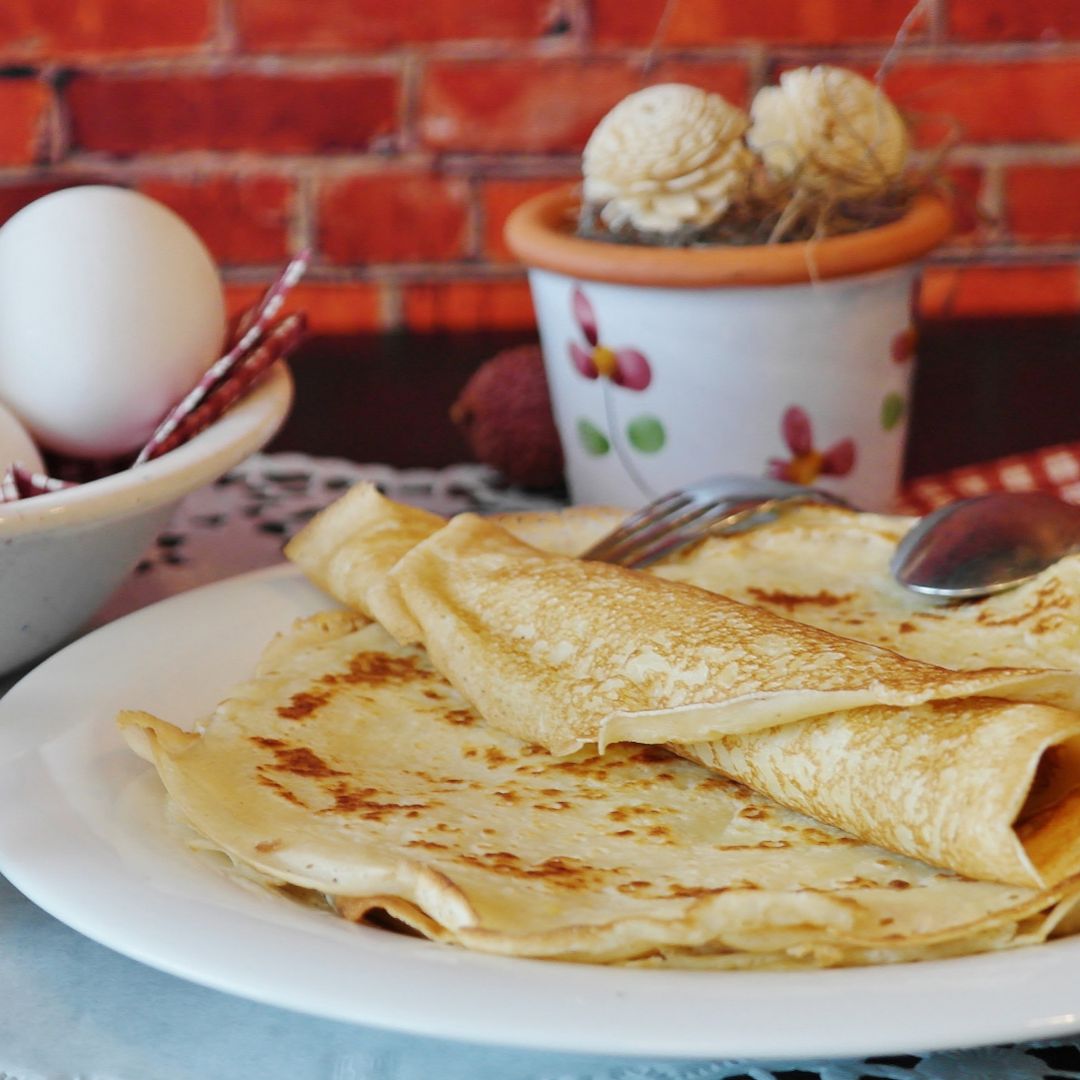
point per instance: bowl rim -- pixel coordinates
(239, 432)
(540, 233)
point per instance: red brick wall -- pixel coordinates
(393, 136)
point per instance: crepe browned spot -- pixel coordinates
(565, 653)
(350, 769)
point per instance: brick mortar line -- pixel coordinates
(238, 163)
(253, 274)
(447, 273)
(224, 36)
(938, 22)
(224, 51)
(475, 220)
(254, 163)
(227, 55)
(53, 139)
(1013, 154)
(991, 201)
(512, 166)
(1004, 256)
(218, 64)
(220, 55)
(758, 71)
(409, 89)
(481, 165)
(441, 273)
(391, 307)
(636, 55)
(923, 53)
(302, 227)
(541, 47)
(223, 48)
(207, 49)
(580, 13)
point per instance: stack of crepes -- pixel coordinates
(505, 747)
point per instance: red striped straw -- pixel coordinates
(19, 482)
(251, 329)
(280, 340)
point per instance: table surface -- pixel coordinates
(70, 1008)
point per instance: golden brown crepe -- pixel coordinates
(350, 768)
(935, 763)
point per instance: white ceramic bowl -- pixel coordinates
(63, 554)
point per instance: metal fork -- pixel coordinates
(688, 515)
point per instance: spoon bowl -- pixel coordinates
(985, 545)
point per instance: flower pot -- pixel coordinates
(667, 365)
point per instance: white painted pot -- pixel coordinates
(667, 366)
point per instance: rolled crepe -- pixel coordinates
(938, 764)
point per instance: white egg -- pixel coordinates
(16, 444)
(110, 309)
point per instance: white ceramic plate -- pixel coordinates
(82, 833)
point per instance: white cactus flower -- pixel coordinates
(666, 158)
(829, 130)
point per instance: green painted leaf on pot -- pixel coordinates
(592, 438)
(646, 434)
(893, 408)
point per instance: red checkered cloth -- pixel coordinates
(1055, 469)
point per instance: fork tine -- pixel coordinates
(645, 518)
(646, 537)
(650, 532)
(715, 516)
(674, 521)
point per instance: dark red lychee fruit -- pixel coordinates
(504, 413)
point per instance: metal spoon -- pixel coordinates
(986, 545)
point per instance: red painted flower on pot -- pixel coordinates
(902, 346)
(624, 367)
(806, 463)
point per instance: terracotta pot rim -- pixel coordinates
(540, 233)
